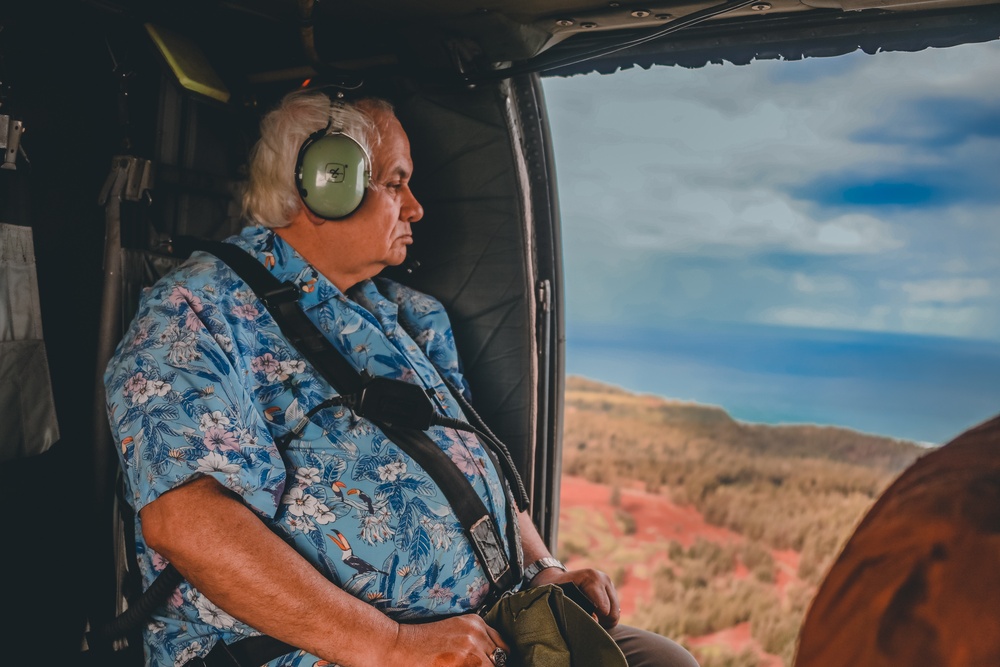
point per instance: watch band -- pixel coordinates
(532, 570)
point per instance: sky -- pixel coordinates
(855, 196)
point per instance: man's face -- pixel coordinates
(378, 233)
(390, 209)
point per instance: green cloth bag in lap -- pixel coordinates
(544, 628)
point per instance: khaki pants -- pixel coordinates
(646, 649)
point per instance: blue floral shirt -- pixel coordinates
(204, 383)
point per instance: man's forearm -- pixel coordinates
(531, 542)
(231, 557)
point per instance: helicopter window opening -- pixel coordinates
(804, 244)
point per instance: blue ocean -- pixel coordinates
(919, 388)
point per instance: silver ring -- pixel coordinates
(499, 657)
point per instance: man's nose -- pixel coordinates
(412, 211)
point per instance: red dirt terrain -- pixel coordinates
(658, 520)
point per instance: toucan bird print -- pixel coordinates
(360, 564)
(364, 498)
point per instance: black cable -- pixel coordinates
(140, 610)
(502, 460)
(282, 442)
(484, 431)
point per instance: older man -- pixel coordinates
(339, 540)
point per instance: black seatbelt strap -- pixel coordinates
(380, 399)
(391, 405)
(247, 652)
(281, 299)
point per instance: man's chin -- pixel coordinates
(396, 258)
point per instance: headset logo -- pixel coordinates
(335, 172)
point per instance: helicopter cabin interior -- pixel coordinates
(127, 123)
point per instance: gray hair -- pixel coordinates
(271, 198)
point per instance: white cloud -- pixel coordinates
(698, 221)
(674, 184)
(927, 320)
(948, 290)
(961, 321)
(821, 284)
(874, 319)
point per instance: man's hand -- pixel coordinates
(595, 584)
(460, 641)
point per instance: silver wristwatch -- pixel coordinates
(532, 570)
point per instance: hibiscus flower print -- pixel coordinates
(375, 526)
(141, 335)
(246, 437)
(307, 476)
(191, 321)
(217, 462)
(300, 503)
(135, 383)
(183, 295)
(275, 370)
(303, 526)
(183, 350)
(464, 459)
(476, 591)
(211, 614)
(246, 311)
(425, 337)
(225, 342)
(439, 594)
(390, 472)
(159, 562)
(438, 533)
(265, 363)
(142, 389)
(211, 419)
(323, 514)
(190, 652)
(217, 437)
(290, 368)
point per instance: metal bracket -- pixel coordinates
(10, 141)
(130, 179)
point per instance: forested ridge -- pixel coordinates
(796, 490)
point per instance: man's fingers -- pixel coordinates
(595, 588)
(499, 645)
(497, 639)
(614, 615)
(602, 593)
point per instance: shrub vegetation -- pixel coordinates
(800, 488)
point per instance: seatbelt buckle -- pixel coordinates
(492, 555)
(288, 292)
(395, 403)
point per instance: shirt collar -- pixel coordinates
(287, 265)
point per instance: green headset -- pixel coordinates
(332, 169)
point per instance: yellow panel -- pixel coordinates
(188, 63)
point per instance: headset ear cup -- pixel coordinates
(332, 175)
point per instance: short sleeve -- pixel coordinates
(179, 404)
